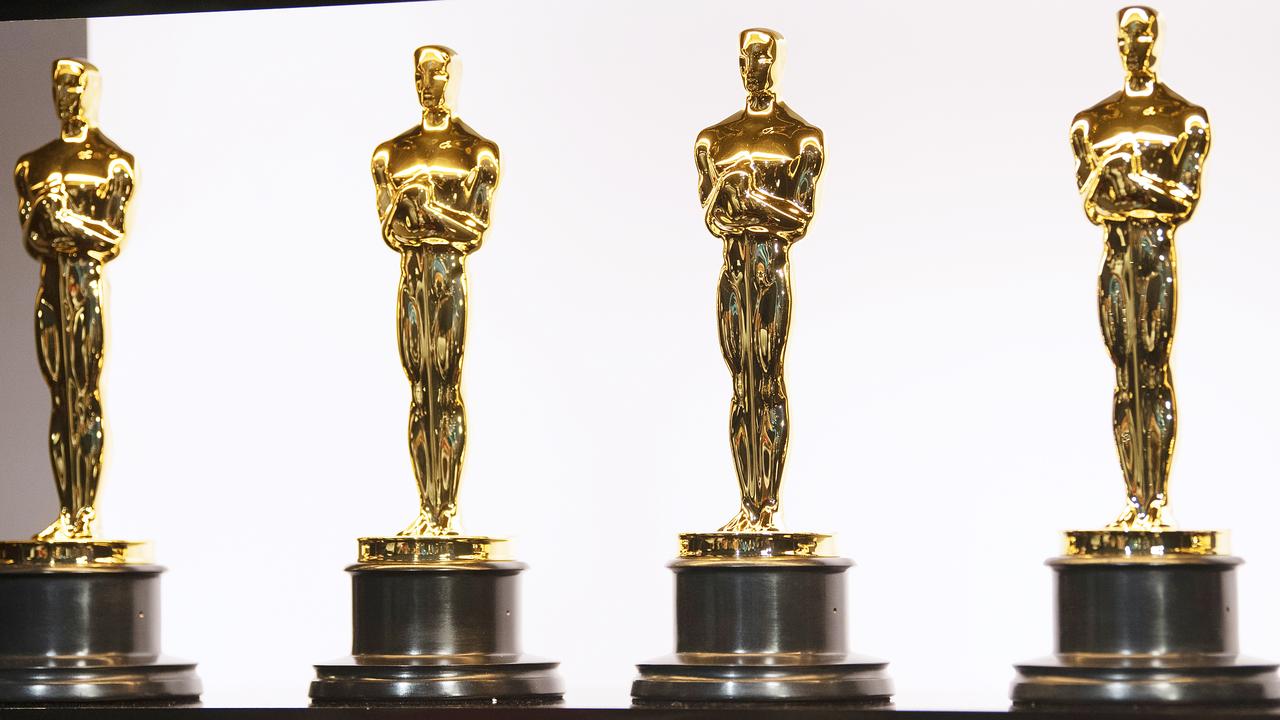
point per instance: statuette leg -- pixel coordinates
(1137, 293)
(432, 316)
(70, 338)
(754, 308)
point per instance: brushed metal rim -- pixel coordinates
(1146, 633)
(854, 679)
(165, 679)
(353, 680)
(1243, 682)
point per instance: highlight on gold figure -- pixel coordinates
(435, 185)
(1140, 156)
(758, 172)
(72, 197)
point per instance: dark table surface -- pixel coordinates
(51, 9)
(560, 713)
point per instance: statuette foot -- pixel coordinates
(65, 528)
(425, 525)
(744, 521)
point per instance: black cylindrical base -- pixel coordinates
(1146, 632)
(436, 633)
(761, 630)
(87, 635)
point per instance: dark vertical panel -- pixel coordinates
(37, 9)
(27, 51)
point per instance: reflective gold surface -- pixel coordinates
(72, 197)
(414, 550)
(1140, 155)
(1146, 544)
(755, 545)
(73, 553)
(435, 185)
(758, 172)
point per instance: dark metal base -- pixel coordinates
(1153, 632)
(449, 680)
(443, 633)
(1055, 681)
(87, 635)
(765, 630)
(703, 679)
(164, 682)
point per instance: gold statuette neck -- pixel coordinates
(1147, 546)
(400, 550)
(742, 545)
(73, 553)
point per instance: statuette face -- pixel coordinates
(73, 194)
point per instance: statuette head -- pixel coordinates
(76, 86)
(436, 70)
(760, 60)
(1136, 34)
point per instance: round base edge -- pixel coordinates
(362, 680)
(164, 681)
(855, 680)
(1238, 681)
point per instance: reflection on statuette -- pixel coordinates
(1140, 155)
(758, 173)
(435, 185)
(72, 197)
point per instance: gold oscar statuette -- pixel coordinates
(1145, 613)
(435, 612)
(435, 186)
(749, 595)
(72, 198)
(758, 173)
(1140, 157)
(79, 614)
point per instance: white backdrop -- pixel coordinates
(950, 393)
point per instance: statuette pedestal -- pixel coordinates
(761, 629)
(1157, 626)
(433, 628)
(87, 633)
